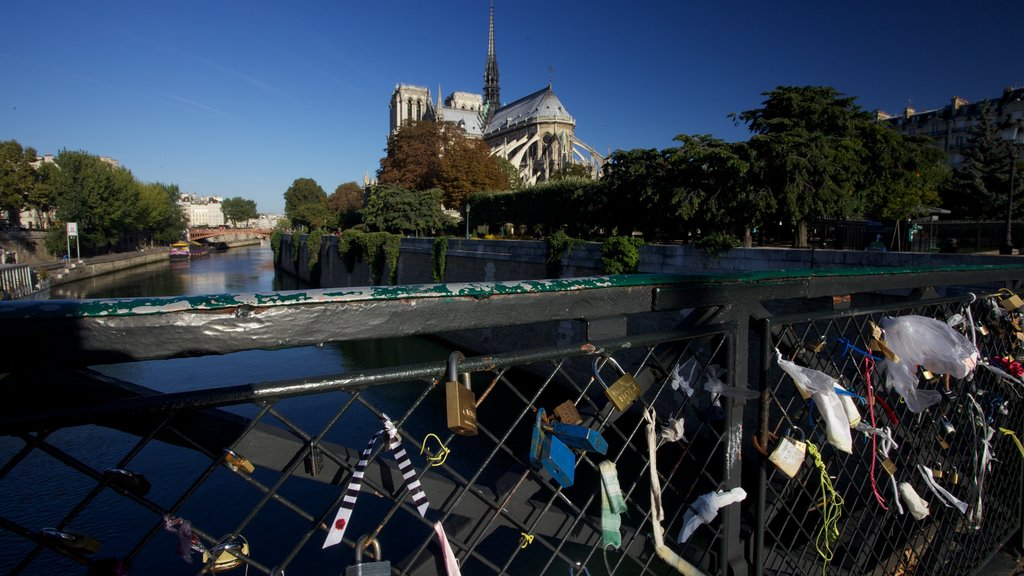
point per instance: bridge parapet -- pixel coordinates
(196, 234)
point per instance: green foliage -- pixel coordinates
(16, 178)
(716, 243)
(102, 199)
(378, 249)
(305, 204)
(621, 254)
(440, 258)
(160, 214)
(347, 241)
(238, 209)
(275, 243)
(980, 185)
(313, 242)
(576, 205)
(400, 210)
(560, 244)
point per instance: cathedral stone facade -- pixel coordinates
(535, 133)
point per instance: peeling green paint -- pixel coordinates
(11, 310)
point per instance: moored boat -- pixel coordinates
(182, 250)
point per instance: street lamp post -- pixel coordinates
(1008, 244)
(467, 221)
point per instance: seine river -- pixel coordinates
(38, 494)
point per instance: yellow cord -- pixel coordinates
(434, 459)
(1016, 440)
(525, 539)
(831, 510)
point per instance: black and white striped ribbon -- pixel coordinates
(348, 502)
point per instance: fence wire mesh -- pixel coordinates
(947, 443)
(221, 479)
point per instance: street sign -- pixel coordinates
(72, 228)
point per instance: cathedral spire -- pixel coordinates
(492, 98)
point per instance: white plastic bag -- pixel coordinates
(922, 341)
(821, 388)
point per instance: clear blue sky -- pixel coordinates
(239, 98)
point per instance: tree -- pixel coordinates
(305, 192)
(901, 175)
(714, 191)
(16, 179)
(238, 209)
(161, 216)
(400, 210)
(41, 196)
(978, 187)
(424, 155)
(345, 204)
(102, 199)
(811, 156)
(572, 170)
(639, 196)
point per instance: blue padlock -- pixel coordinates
(580, 437)
(552, 454)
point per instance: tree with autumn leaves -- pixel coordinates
(430, 155)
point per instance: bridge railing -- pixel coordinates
(259, 470)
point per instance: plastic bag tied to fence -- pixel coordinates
(922, 341)
(822, 389)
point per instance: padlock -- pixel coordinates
(377, 568)
(1010, 301)
(789, 455)
(226, 555)
(313, 463)
(624, 391)
(237, 462)
(460, 402)
(547, 451)
(579, 437)
(125, 481)
(71, 540)
(566, 412)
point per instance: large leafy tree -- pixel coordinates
(901, 174)
(639, 194)
(102, 199)
(714, 191)
(41, 197)
(978, 187)
(400, 210)
(345, 203)
(424, 155)
(305, 203)
(161, 216)
(16, 178)
(807, 141)
(238, 209)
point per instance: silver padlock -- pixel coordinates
(360, 568)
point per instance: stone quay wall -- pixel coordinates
(510, 260)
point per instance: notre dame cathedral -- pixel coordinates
(535, 133)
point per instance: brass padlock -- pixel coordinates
(790, 454)
(460, 402)
(1011, 301)
(236, 461)
(624, 391)
(567, 413)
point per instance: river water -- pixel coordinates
(239, 270)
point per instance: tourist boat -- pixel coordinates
(182, 250)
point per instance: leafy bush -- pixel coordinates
(313, 242)
(275, 243)
(717, 242)
(559, 245)
(440, 259)
(621, 254)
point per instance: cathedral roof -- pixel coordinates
(468, 120)
(542, 104)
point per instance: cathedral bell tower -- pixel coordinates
(492, 97)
